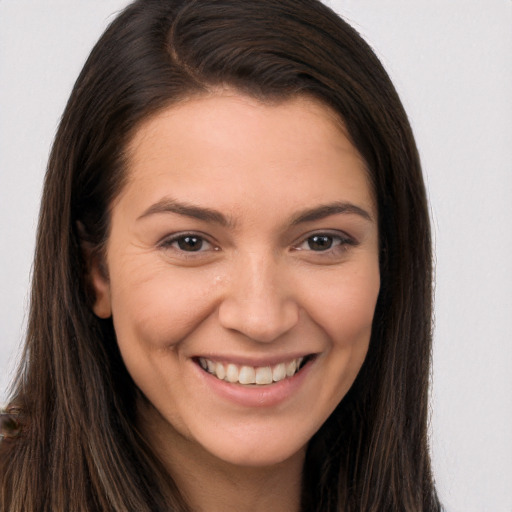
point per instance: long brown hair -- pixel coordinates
(76, 446)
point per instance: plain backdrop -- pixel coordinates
(451, 62)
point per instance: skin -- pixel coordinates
(259, 288)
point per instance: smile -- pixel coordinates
(250, 375)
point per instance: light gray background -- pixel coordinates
(452, 64)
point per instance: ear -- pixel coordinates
(98, 276)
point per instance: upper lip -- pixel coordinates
(256, 361)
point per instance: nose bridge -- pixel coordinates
(260, 302)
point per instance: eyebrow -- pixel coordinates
(326, 210)
(168, 205)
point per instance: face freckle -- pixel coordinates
(243, 273)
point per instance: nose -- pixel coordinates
(259, 302)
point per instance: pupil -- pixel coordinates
(190, 243)
(320, 242)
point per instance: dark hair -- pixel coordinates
(77, 446)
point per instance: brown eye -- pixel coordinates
(190, 243)
(320, 242)
(325, 243)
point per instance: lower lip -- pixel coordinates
(268, 395)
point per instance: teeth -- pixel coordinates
(232, 373)
(210, 365)
(279, 372)
(248, 375)
(220, 371)
(290, 368)
(264, 375)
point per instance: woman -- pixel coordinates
(231, 302)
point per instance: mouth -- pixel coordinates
(254, 375)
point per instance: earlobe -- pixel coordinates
(101, 286)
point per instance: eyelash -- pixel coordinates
(169, 243)
(337, 243)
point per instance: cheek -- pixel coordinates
(344, 307)
(158, 308)
(345, 313)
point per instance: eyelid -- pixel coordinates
(343, 237)
(167, 241)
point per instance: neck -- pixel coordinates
(209, 484)
(219, 487)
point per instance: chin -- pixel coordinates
(257, 454)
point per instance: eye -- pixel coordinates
(188, 242)
(324, 242)
(320, 242)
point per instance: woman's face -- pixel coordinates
(242, 272)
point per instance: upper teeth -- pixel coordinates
(249, 374)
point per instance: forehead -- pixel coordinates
(228, 143)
